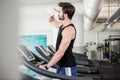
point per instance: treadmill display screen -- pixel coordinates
(30, 41)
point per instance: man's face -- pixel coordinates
(60, 14)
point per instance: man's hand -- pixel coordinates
(42, 67)
(51, 19)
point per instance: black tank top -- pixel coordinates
(68, 59)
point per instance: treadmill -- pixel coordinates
(30, 61)
(77, 56)
(81, 59)
(81, 68)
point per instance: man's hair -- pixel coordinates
(67, 8)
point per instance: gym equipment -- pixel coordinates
(51, 49)
(114, 48)
(81, 59)
(76, 55)
(28, 62)
(81, 68)
(110, 71)
(29, 55)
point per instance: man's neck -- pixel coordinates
(67, 22)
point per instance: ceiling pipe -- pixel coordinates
(104, 12)
(92, 9)
(109, 21)
(114, 16)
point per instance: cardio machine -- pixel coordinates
(81, 59)
(81, 68)
(30, 60)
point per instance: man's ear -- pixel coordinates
(65, 15)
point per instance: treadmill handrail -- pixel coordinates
(79, 62)
(50, 74)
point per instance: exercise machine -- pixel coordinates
(81, 68)
(30, 61)
(81, 59)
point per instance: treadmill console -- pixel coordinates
(52, 48)
(26, 53)
(44, 51)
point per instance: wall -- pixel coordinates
(34, 20)
(97, 37)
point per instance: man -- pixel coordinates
(65, 40)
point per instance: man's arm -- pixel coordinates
(67, 35)
(54, 22)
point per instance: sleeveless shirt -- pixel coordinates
(67, 59)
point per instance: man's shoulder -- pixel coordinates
(68, 31)
(69, 28)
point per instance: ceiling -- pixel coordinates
(47, 1)
(109, 7)
(111, 1)
(107, 10)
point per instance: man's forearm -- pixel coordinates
(56, 23)
(55, 58)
